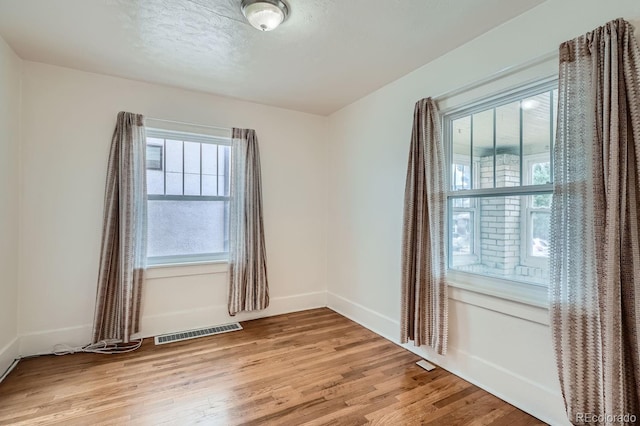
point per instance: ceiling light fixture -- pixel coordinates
(265, 15)
(530, 104)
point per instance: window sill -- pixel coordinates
(521, 300)
(170, 270)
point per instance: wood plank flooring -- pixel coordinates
(312, 367)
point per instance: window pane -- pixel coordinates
(186, 227)
(154, 156)
(155, 182)
(541, 201)
(503, 247)
(536, 137)
(209, 185)
(173, 151)
(461, 178)
(540, 223)
(174, 183)
(507, 162)
(461, 139)
(192, 157)
(155, 166)
(462, 233)
(191, 184)
(209, 159)
(541, 173)
(483, 148)
(191, 168)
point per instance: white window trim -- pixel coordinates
(518, 291)
(192, 259)
(197, 259)
(186, 269)
(515, 291)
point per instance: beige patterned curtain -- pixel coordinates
(248, 286)
(424, 287)
(595, 237)
(124, 234)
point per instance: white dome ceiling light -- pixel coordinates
(265, 15)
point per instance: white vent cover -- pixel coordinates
(426, 365)
(194, 334)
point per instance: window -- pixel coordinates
(188, 196)
(499, 196)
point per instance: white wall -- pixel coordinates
(68, 120)
(503, 346)
(9, 199)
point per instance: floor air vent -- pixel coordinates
(194, 334)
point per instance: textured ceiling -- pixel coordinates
(328, 54)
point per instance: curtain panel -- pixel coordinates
(124, 234)
(595, 237)
(424, 288)
(248, 285)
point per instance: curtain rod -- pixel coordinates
(188, 124)
(496, 75)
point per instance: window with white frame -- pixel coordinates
(500, 184)
(188, 196)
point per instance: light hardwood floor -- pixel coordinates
(313, 367)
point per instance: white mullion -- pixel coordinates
(155, 197)
(505, 191)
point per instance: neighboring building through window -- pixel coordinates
(154, 157)
(188, 196)
(499, 196)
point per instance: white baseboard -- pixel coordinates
(8, 354)
(218, 314)
(374, 321)
(524, 393)
(43, 342)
